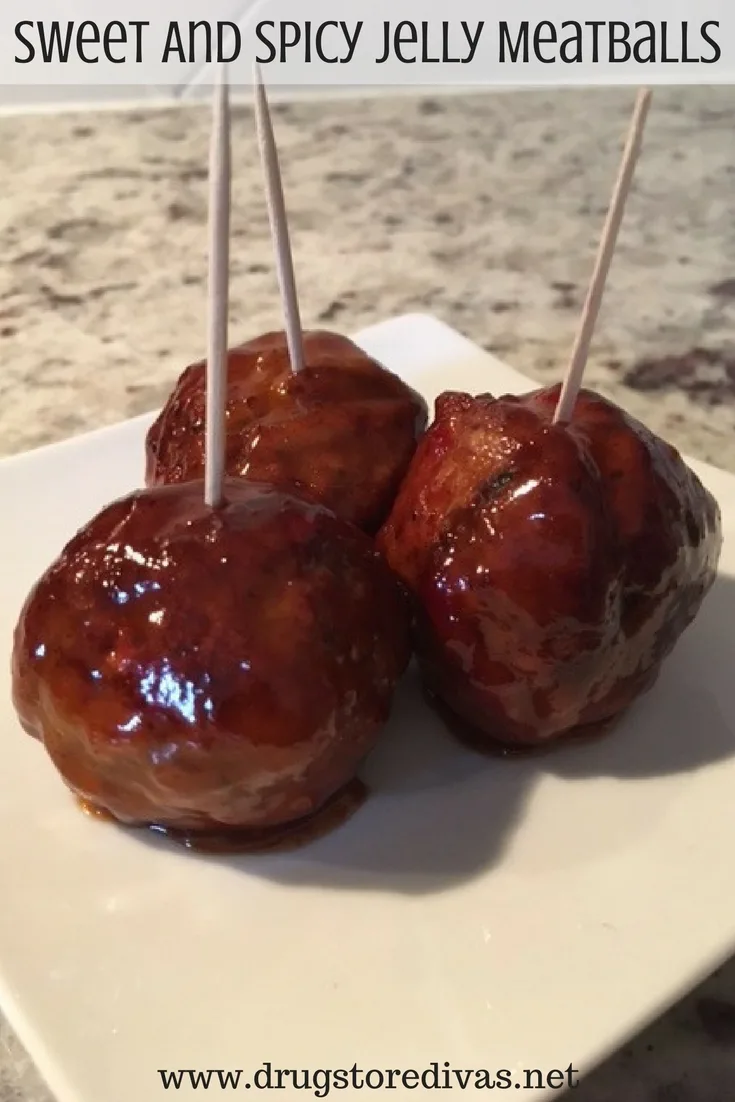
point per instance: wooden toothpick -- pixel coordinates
(218, 294)
(278, 223)
(580, 352)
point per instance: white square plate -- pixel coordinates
(498, 915)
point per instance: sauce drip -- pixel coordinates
(277, 839)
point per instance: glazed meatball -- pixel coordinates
(341, 432)
(211, 669)
(553, 567)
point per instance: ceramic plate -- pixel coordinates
(487, 914)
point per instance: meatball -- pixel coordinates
(341, 432)
(553, 567)
(208, 670)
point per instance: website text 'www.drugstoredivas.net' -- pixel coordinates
(321, 1082)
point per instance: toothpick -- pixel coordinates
(578, 361)
(279, 224)
(218, 294)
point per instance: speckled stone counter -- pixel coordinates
(484, 210)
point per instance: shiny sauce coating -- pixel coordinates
(341, 432)
(553, 567)
(211, 671)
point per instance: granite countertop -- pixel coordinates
(482, 209)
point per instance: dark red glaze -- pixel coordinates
(341, 432)
(553, 566)
(211, 670)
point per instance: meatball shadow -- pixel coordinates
(436, 814)
(440, 815)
